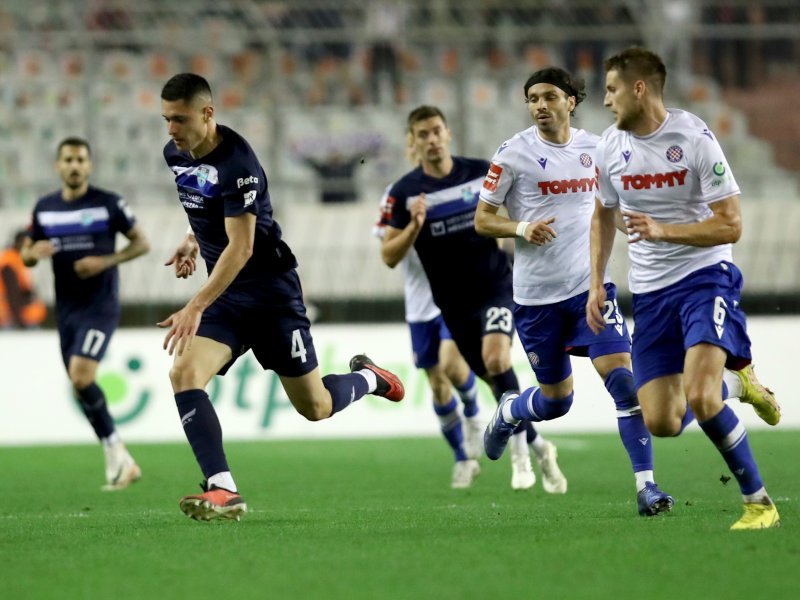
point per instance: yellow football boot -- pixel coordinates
(758, 515)
(762, 399)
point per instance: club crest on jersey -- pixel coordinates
(542, 162)
(467, 195)
(626, 154)
(586, 160)
(674, 154)
(202, 175)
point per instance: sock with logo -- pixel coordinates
(632, 430)
(730, 438)
(346, 389)
(202, 429)
(450, 422)
(468, 392)
(94, 406)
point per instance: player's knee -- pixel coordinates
(496, 363)
(184, 377)
(661, 426)
(313, 411)
(80, 380)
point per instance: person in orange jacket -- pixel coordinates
(20, 307)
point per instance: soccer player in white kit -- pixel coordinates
(435, 351)
(666, 171)
(545, 178)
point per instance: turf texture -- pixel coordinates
(377, 519)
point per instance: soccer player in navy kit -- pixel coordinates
(252, 298)
(76, 227)
(544, 176)
(432, 209)
(667, 173)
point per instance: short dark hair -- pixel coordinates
(73, 141)
(186, 87)
(565, 81)
(424, 112)
(638, 63)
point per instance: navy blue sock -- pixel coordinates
(202, 429)
(504, 382)
(450, 423)
(345, 389)
(94, 406)
(533, 405)
(730, 438)
(632, 430)
(468, 392)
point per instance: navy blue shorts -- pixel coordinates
(703, 307)
(272, 323)
(551, 332)
(426, 338)
(468, 329)
(85, 331)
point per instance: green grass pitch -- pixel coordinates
(377, 519)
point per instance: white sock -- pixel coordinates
(539, 445)
(507, 416)
(111, 439)
(223, 480)
(372, 381)
(733, 383)
(757, 497)
(519, 443)
(643, 477)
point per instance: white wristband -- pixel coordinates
(521, 227)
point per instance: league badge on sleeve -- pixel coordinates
(493, 177)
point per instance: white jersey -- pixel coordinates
(672, 175)
(536, 180)
(419, 304)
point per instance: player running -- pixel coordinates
(545, 178)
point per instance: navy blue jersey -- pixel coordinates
(86, 226)
(464, 268)
(227, 182)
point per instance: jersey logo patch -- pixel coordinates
(249, 197)
(658, 180)
(493, 177)
(626, 154)
(542, 162)
(674, 154)
(708, 134)
(202, 175)
(586, 160)
(566, 186)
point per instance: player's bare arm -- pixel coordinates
(397, 242)
(183, 325)
(89, 266)
(601, 241)
(184, 259)
(491, 224)
(723, 227)
(32, 252)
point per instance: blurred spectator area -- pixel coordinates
(324, 80)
